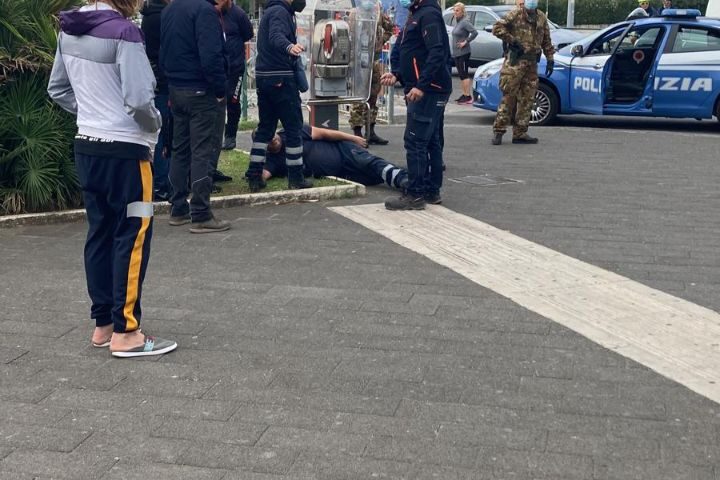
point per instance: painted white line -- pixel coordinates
(674, 337)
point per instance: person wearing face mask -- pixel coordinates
(278, 92)
(419, 63)
(526, 32)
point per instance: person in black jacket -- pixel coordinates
(277, 92)
(192, 56)
(238, 30)
(419, 64)
(161, 159)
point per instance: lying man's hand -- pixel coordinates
(360, 141)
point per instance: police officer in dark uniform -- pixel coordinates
(419, 62)
(278, 93)
(238, 30)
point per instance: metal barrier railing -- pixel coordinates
(386, 97)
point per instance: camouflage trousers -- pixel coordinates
(518, 84)
(359, 110)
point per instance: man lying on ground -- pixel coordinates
(333, 153)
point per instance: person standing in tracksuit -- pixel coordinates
(192, 56)
(102, 75)
(419, 63)
(238, 30)
(278, 93)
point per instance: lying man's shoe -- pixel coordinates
(219, 177)
(525, 139)
(497, 139)
(161, 196)
(405, 202)
(210, 226)
(229, 144)
(215, 188)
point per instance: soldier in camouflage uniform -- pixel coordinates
(359, 112)
(526, 32)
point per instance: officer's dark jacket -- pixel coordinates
(420, 55)
(238, 30)
(276, 36)
(151, 29)
(192, 48)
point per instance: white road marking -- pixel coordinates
(672, 336)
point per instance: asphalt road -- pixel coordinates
(313, 347)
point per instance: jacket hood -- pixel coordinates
(153, 7)
(283, 3)
(76, 22)
(419, 4)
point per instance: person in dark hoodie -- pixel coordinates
(238, 30)
(161, 159)
(419, 64)
(102, 75)
(192, 56)
(278, 93)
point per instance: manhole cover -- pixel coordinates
(484, 180)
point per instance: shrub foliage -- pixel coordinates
(36, 167)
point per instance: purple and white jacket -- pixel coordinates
(102, 74)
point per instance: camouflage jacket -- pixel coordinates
(384, 32)
(533, 36)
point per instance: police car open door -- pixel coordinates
(588, 73)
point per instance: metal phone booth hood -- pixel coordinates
(339, 40)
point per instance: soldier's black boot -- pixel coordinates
(296, 178)
(497, 138)
(525, 139)
(357, 131)
(374, 139)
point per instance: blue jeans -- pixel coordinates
(423, 143)
(161, 165)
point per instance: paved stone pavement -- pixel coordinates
(311, 348)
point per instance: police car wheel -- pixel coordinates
(545, 107)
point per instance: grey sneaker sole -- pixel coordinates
(143, 352)
(179, 222)
(203, 229)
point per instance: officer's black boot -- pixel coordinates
(229, 143)
(296, 178)
(357, 131)
(497, 138)
(374, 139)
(253, 175)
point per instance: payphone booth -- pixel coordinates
(339, 41)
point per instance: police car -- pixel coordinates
(667, 66)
